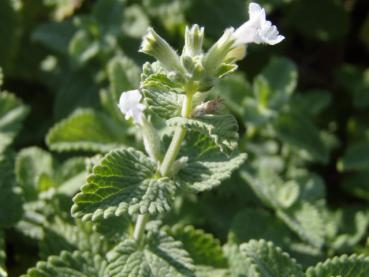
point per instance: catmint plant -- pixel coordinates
(195, 151)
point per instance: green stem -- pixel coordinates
(168, 160)
(140, 226)
(177, 139)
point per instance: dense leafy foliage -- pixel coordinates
(270, 177)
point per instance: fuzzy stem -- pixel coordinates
(177, 139)
(140, 226)
(168, 160)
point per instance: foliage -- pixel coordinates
(259, 172)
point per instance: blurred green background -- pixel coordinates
(303, 108)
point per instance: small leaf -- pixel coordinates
(299, 132)
(206, 167)
(162, 96)
(12, 114)
(222, 129)
(203, 248)
(269, 260)
(343, 266)
(356, 157)
(160, 256)
(280, 76)
(123, 181)
(306, 221)
(85, 130)
(71, 264)
(30, 164)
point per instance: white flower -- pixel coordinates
(130, 106)
(257, 29)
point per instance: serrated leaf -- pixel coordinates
(238, 264)
(2, 255)
(269, 260)
(30, 164)
(10, 196)
(60, 235)
(162, 96)
(72, 264)
(272, 190)
(123, 181)
(343, 266)
(12, 114)
(206, 166)
(258, 224)
(207, 271)
(85, 130)
(306, 221)
(160, 256)
(299, 132)
(356, 157)
(203, 248)
(220, 128)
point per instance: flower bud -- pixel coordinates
(155, 46)
(218, 52)
(193, 41)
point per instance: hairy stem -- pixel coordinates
(168, 160)
(140, 226)
(177, 139)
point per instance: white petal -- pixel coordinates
(130, 106)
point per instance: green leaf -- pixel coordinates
(357, 184)
(85, 130)
(31, 163)
(123, 75)
(306, 221)
(222, 129)
(239, 266)
(269, 260)
(123, 181)
(160, 256)
(83, 47)
(60, 235)
(355, 158)
(12, 114)
(207, 271)
(272, 190)
(54, 35)
(299, 132)
(162, 96)
(258, 224)
(342, 266)
(72, 264)
(203, 248)
(206, 166)
(280, 76)
(10, 196)
(2, 255)
(312, 101)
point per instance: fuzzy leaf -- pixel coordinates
(206, 167)
(123, 181)
(12, 114)
(160, 256)
(269, 260)
(85, 130)
(71, 264)
(30, 164)
(162, 96)
(203, 248)
(220, 128)
(343, 266)
(299, 132)
(306, 221)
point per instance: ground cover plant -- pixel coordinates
(184, 138)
